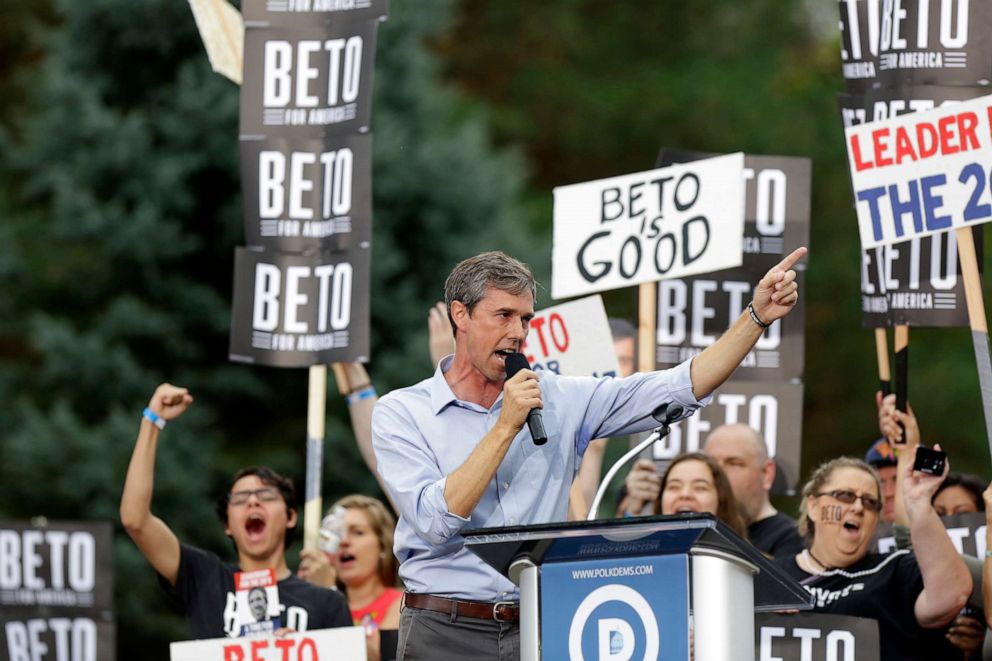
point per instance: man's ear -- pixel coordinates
(768, 475)
(291, 520)
(460, 313)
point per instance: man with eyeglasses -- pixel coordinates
(258, 514)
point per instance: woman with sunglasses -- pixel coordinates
(911, 596)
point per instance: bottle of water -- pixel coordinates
(332, 530)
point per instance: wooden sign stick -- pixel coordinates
(313, 510)
(977, 320)
(647, 321)
(882, 352)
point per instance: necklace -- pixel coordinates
(824, 567)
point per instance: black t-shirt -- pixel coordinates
(205, 592)
(776, 536)
(885, 589)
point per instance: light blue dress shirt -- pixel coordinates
(422, 433)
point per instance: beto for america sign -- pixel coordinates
(300, 310)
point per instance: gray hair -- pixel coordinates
(822, 475)
(471, 277)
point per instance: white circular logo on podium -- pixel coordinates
(616, 636)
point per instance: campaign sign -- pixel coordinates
(29, 635)
(922, 173)
(300, 310)
(774, 410)
(306, 13)
(664, 223)
(307, 195)
(572, 339)
(59, 564)
(301, 80)
(917, 283)
(631, 608)
(815, 637)
(693, 312)
(967, 533)
(875, 105)
(339, 644)
(936, 42)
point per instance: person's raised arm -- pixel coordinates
(774, 297)
(440, 339)
(892, 423)
(154, 538)
(946, 579)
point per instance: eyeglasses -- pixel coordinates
(265, 495)
(848, 498)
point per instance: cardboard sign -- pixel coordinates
(60, 564)
(876, 105)
(572, 339)
(223, 35)
(27, 634)
(815, 637)
(774, 410)
(693, 312)
(967, 533)
(922, 173)
(300, 310)
(302, 81)
(926, 42)
(340, 644)
(307, 195)
(648, 226)
(306, 13)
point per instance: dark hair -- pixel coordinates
(268, 477)
(621, 329)
(472, 277)
(973, 484)
(727, 509)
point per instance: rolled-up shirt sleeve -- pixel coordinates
(411, 473)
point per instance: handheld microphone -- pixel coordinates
(514, 363)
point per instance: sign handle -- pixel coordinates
(977, 320)
(901, 345)
(882, 353)
(316, 406)
(647, 320)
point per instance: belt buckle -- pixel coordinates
(507, 604)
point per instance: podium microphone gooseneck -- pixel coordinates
(666, 414)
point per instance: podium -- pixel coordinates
(623, 589)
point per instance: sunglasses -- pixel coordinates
(849, 497)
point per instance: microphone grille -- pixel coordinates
(514, 363)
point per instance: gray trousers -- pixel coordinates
(427, 635)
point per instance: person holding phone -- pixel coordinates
(913, 596)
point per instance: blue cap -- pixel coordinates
(880, 454)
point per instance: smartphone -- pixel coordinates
(929, 461)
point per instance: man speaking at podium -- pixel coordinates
(455, 450)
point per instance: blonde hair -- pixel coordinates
(822, 475)
(383, 525)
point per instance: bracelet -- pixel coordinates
(358, 396)
(153, 418)
(754, 316)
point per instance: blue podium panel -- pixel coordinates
(616, 610)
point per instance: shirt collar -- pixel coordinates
(441, 393)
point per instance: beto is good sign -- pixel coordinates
(665, 223)
(922, 173)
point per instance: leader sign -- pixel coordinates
(572, 339)
(306, 195)
(643, 227)
(922, 173)
(303, 80)
(300, 310)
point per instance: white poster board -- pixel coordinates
(665, 223)
(340, 644)
(572, 339)
(922, 173)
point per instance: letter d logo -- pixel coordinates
(616, 640)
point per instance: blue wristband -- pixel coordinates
(358, 396)
(153, 418)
